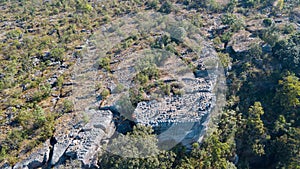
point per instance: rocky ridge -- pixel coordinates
(83, 134)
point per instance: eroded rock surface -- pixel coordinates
(37, 159)
(83, 142)
(87, 143)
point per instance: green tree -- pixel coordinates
(255, 130)
(289, 92)
(288, 52)
(286, 149)
(137, 149)
(213, 154)
(270, 36)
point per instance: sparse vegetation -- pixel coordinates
(41, 40)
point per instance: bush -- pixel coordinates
(14, 34)
(24, 118)
(39, 117)
(270, 36)
(104, 63)
(217, 40)
(226, 37)
(166, 89)
(135, 96)
(288, 29)
(225, 59)
(166, 7)
(68, 106)
(150, 73)
(142, 78)
(267, 22)
(233, 21)
(119, 88)
(177, 33)
(153, 4)
(44, 92)
(57, 54)
(105, 93)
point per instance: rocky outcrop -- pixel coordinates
(83, 142)
(184, 116)
(87, 143)
(37, 159)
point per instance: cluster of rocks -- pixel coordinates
(187, 108)
(95, 133)
(190, 107)
(81, 141)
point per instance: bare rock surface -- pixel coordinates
(37, 159)
(85, 145)
(83, 142)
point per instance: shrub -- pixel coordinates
(233, 21)
(60, 81)
(166, 7)
(104, 63)
(135, 96)
(177, 33)
(14, 34)
(217, 40)
(105, 93)
(57, 54)
(226, 37)
(225, 59)
(119, 88)
(153, 4)
(288, 29)
(166, 89)
(68, 106)
(267, 22)
(142, 78)
(39, 117)
(178, 92)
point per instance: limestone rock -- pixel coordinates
(36, 159)
(86, 144)
(59, 149)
